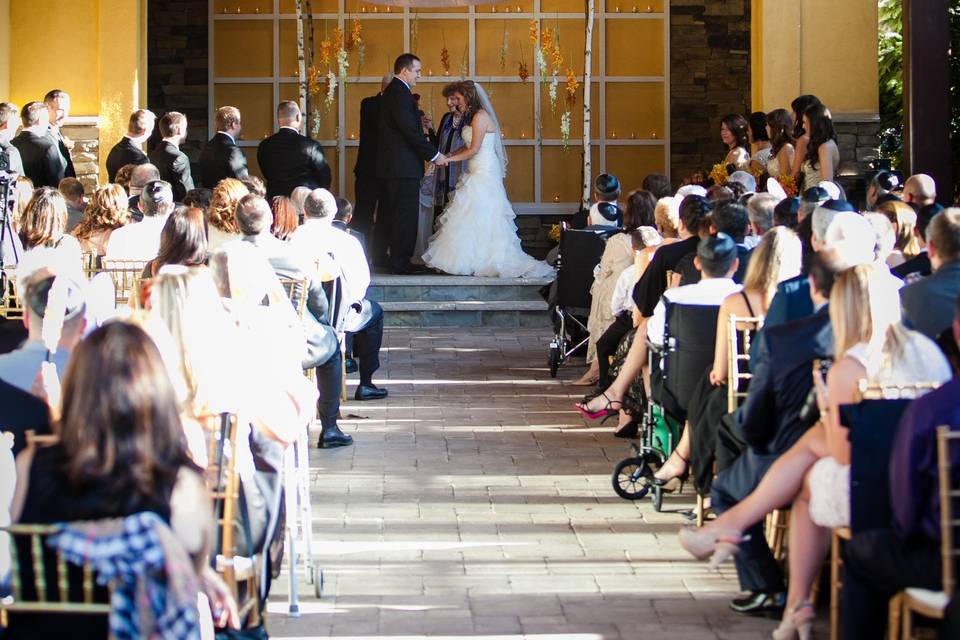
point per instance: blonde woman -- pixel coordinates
(903, 219)
(44, 223)
(106, 212)
(814, 474)
(221, 219)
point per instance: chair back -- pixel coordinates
(11, 307)
(673, 280)
(690, 335)
(580, 253)
(949, 496)
(296, 290)
(125, 275)
(740, 332)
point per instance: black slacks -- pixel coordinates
(607, 345)
(403, 210)
(366, 344)
(329, 382)
(877, 564)
(366, 217)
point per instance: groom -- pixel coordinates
(402, 149)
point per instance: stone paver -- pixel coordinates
(477, 504)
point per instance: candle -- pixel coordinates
(613, 134)
(518, 8)
(649, 9)
(556, 198)
(429, 72)
(633, 135)
(352, 136)
(523, 134)
(363, 9)
(653, 134)
(493, 10)
(617, 8)
(634, 9)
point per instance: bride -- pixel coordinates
(477, 235)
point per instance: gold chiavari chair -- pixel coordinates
(11, 306)
(924, 602)
(740, 331)
(126, 276)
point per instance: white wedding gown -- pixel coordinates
(477, 235)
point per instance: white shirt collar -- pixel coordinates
(172, 141)
(286, 126)
(232, 139)
(404, 82)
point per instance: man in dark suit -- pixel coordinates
(8, 128)
(402, 149)
(928, 304)
(41, 158)
(289, 159)
(173, 164)
(769, 424)
(130, 148)
(651, 285)
(221, 157)
(57, 102)
(368, 186)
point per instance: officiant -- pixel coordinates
(448, 138)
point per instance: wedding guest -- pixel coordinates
(57, 102)
(759, 139)
(666, 216)
(285, 219)
(141, 240)
(255, 185)
(822, 155)
(657, 184)
(919, 190)
(173, 164)
(606, 188)
(105, 213)
(182, 241)
(733, 134)
(785, 213)
(780, 131)
(884, 247)
(8, 129)
(139, 177)
(221, 157)
(130, 148)
(289, 159)
(449, 140)
(198, 198)
(221, 221)
(919, 265)
(298, 197)
(881, 189)
(927, 303)
(760, 211)
(22, 192)
(72, 191)
(44, 224)
(39, 153)
(367, 186)
(903, 220)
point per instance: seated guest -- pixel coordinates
(881, 562)
(72, 191)
(285, 218)
(21, 411)
(919, 191)
(130, 148)
(815, 473)
(221, 221)
(298, 196)
(123, 177)
(182, 241)
(316, 238)
(903, 220)
(769, 422)
(885, 239)
(760, 211)
(44, 223)
(657, 184)
(617, 256)
(881, 189)
(141, 240)
(198, 198)
(139, 177)
(255, 185)
(8, 129)
(96, 470)
(254, 217)
(606, 188)
(919, 265)
(734, 220)
(651, 285)
(39, 153)
(173, 164)
(785, 213)
(344, 219)
(221, 157)
(20, 367)
(106, 213)
(717, 259)
(290, 159)
(927, 304)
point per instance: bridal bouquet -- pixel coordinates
(719, 174)
(789, 184)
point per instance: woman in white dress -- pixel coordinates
(780, 132)
(815, 473)
(477, 235)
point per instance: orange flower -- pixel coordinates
(534, 29)
(337, 39)
(445, 60)
(523, 71)
(356, 37)
(325, 47)
(719, 174)
(789, 184)
(546, 42)
(557, 56)
(572, 85)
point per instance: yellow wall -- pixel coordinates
(99, 57)
(824, 47)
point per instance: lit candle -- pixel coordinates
(376, 9)
(388, 9)
(617, 8)
(493, 10)
(518, 8)
(556, 198)
(363, 9)
(523, 134)
(633, 135)
(238, 9)
(352, 136)
(613, 134)
(429, 72)
(649, 9)
(653, 134)
(257, 9)
(634, 9)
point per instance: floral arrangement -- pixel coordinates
(445, 57)
(554, 235)
(504, 47)
(523, 71)
(757, 171)
(572, 85)
(565, 129)
(338, 46)
(789, 184)
(719, 173)
(355, 42)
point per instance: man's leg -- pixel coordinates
(368, 192)
(329, 381)
(876, 565)
(405, 210)
(366, 349)
(380, 240)
(758, 571)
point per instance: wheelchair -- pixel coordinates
(580, 253)
(675, 369)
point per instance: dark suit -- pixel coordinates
(929, 305)
(791, 302)
(919, 265)
(174, 166)
(123, 153)
(41, 158)
(68, 171)
(402, 149)
(289, 160)
(652, 284)
(20, 412)
(368, 185)
(16, 164)
(769, 424)
(221, 158)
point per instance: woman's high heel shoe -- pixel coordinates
(669, 485)
(798, 622)
(606, 412)
(718, 546)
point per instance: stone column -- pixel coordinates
(85, 134)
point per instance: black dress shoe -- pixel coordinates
(411, 270)
(758, 602)
(369, 392)
(333, 437)
(629, 430)
(351, 365)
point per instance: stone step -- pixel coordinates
(434, 300)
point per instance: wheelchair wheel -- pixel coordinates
(626, 478)
(554, 360)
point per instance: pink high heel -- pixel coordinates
(797, 623)
(606, 412)
(718, 546)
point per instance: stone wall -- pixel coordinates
(85, 135)
(178, 59)
(709, 78)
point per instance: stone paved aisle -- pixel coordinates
(477, 504)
